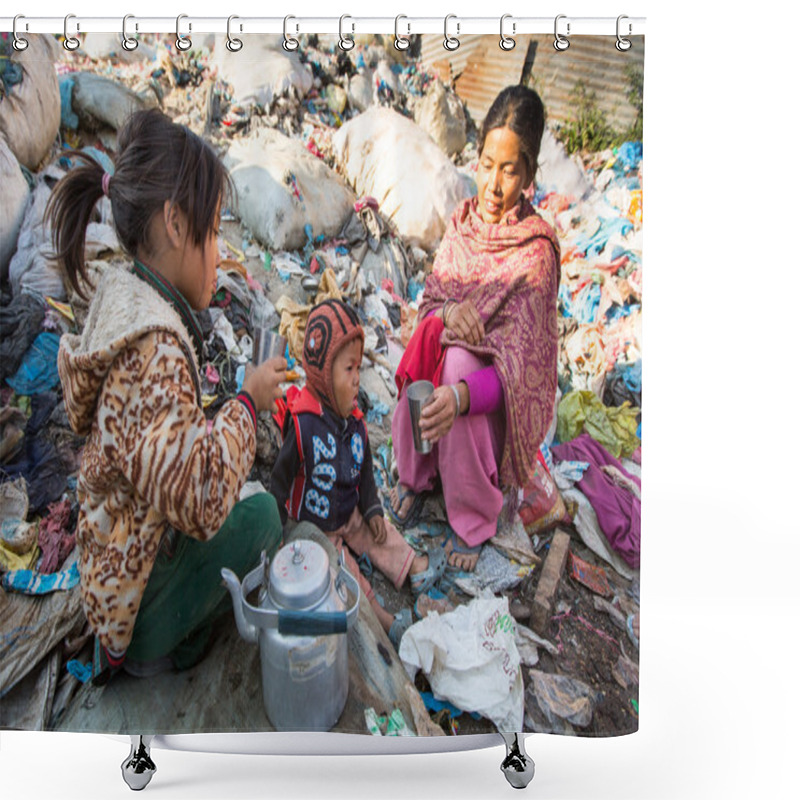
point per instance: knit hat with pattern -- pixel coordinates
(330, 326)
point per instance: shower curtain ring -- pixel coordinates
(128, 42)
(182, 42)
(70, 42)
(451, 43)
(561, 43)
(345, 42)
(289, 41)
(400, 42)
(19, 43)
(507, 42)
(623, 44)
(232, 43)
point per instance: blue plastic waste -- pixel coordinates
(38, 371)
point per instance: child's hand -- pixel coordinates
(378, 529)
(262, 383)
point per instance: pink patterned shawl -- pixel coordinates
(510, 270)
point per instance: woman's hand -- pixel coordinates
(262, 383)
(465, 322)
(377, 527)
(439, 414)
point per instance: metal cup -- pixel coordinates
(267, 345)
(419, 394)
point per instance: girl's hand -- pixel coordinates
(465, 322)
(439, 414)
(262, 383)
(377, 528)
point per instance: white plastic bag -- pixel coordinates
(262, 70)
(470, 659)
(387, 156)
(15, 200)
(281, 188)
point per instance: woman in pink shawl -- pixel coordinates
(488, 339)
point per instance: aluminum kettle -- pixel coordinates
(300, 624)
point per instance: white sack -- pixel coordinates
(441, 115)
(98, 99)
(265, 168)
(262, 70)
(359, 91)
(470, 659)
(558, 172)
(387, 156)
(15, 200)
(30, 267)
(109, 45)
(30, 113)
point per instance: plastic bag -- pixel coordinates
(15, 200)
(613, 427)
(281, 188)
(385, 155)
(542, 507)
(470, 659)
(441, 115)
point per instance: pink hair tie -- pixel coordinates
(106, 179)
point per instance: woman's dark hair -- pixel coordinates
(157, 160)
(520, 109)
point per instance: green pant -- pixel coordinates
(185, 594)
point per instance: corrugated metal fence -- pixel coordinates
(479, 70)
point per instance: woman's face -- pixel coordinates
(502, 174)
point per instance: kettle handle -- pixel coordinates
(321, 623)
(311, 623)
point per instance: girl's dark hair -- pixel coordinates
(520, 109)
(157, 160)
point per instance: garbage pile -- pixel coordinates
(347, 167)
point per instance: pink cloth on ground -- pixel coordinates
(466, 459)
(393, 558)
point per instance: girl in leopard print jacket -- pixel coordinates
(151, 463)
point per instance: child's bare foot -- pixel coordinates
(459, 554)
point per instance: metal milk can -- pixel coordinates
(300, 624)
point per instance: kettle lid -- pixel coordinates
(299, 575)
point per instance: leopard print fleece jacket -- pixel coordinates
(150, 458)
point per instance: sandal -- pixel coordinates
(423, 581)
(457, 546)
(413, 514)
(402, 622)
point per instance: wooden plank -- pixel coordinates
(552, 571)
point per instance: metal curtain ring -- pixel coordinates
(345, 42)
(400, 42)
(70, 42)
(506, 42)
(623, 44)
(128, 42)
(451, 43)
(233, 44)
(19, 43)
(182, 42)
(560, 42)
(289, 41)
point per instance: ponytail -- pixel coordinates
(157, 161)
(69, 211)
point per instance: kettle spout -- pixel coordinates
(247, 631)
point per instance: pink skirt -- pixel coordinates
(466, 459)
